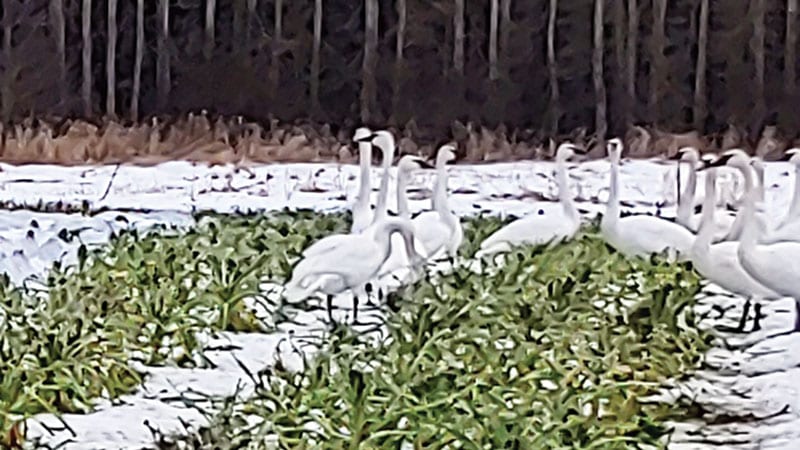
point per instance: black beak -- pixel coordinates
(786, 156)
(367, 138)
(425, 164)
(675, 157)
(719, 162)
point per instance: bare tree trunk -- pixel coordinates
(211, 8)
(251, 18)
(399, 50)
(493, 74)
(700, 105)
(555, 107)
(458, 30)
(790, 58)
(86, 87)
(277, 36)
(315, 57)
(758, 57)
(8, 77)
(111, 57)
(600, 120)
(657, 58)
(162, 64)
(633, 41)
(137, 63)
(56, 14)
(618, 91)
(368, 89)
(238, 24)
(505, 25)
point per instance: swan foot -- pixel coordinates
(742, 320)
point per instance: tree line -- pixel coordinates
(546, 65)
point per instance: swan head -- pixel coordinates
(734, 157)
(565, 152)
(446, 154)
(690, 154)
(362, 134)
(409, 163)
(384, 140)
(614, 148)
(792, 155)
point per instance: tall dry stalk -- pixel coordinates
(700, 103)
(370, 63)
(210, 31)
(493, 13)
(137, 62)
(458, 31)
(238, 24)
(111, 57)
(251, 17)
(618, 91)
(315, 56)
(552, 67)
(632, 50)
(162, 63)
(56, 15)
(505, 25)
(600, 119)
(657, 59)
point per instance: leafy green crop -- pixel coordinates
(555, 349)
(141, 297)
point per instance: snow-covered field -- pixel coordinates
(755, 381)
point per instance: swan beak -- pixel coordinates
(367, 138)
(788, 154)
(425, 164)
(719, 162)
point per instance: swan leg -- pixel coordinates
(759, 316)
(743, 320)
(329, 306)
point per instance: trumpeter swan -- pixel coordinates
(440, 229)
(539, 229)
(385, 142)
(685, 215)
(773, 265)
(362, 214)
(348, 265)
(720, 262)
(399, 258)
(639, 235)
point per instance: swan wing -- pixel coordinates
(720, 264)
(530, 230)
(431, 231)
(776, 266)
(647, 234)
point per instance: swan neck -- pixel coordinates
(439, 200)
(750, 231)
(612, 207)
(687, 198)
(381, 208)
(365, 157)
(705, 233)
(402, 197)
(794, 208)
(564, 194)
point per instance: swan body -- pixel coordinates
(349, 265)
(789, 228)
(639, 235)
(720, 262)
(440, 229)
(540, 229)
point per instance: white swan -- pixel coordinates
(385, 142)
(440, 229)
(639, 235)
(720, 262)
(348, 265)
(362, 214)
(399, 258)
(685, 214)
(540, 229)
(774, 265)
